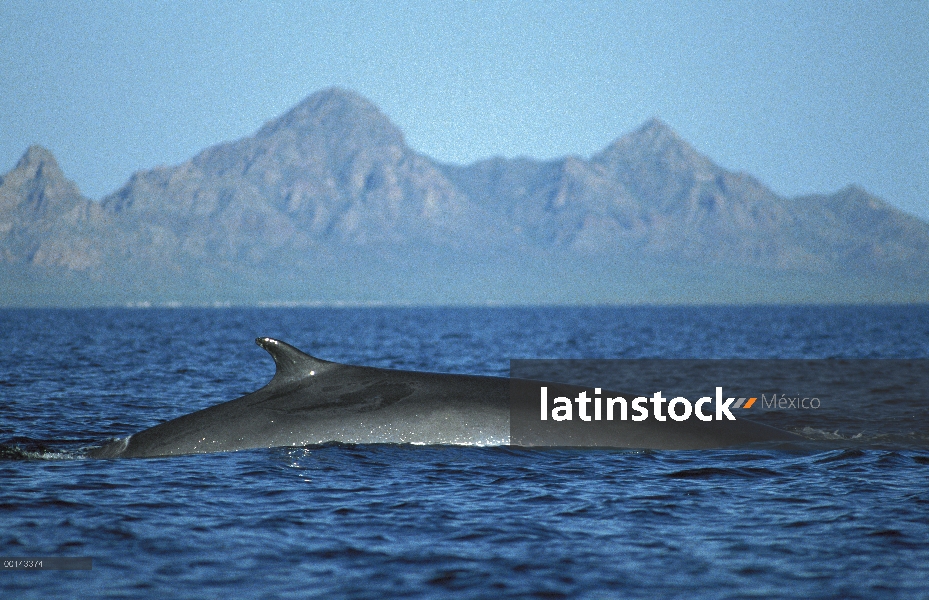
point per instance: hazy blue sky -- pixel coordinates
(807, 96)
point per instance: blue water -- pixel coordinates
(847, 516)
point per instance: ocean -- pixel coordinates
(845, 515)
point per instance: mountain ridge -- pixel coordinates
(332, 184)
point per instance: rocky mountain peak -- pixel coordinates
(38, 161)
(655, 128)
(656, 145)
(336, 114)
(37, 180)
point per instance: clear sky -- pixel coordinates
(807, 96)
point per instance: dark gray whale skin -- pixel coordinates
(313, 401)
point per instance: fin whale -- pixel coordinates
(314, 401)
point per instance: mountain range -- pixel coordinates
(328, 204)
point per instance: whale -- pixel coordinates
(312, 401)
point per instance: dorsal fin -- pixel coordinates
(291, 363)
